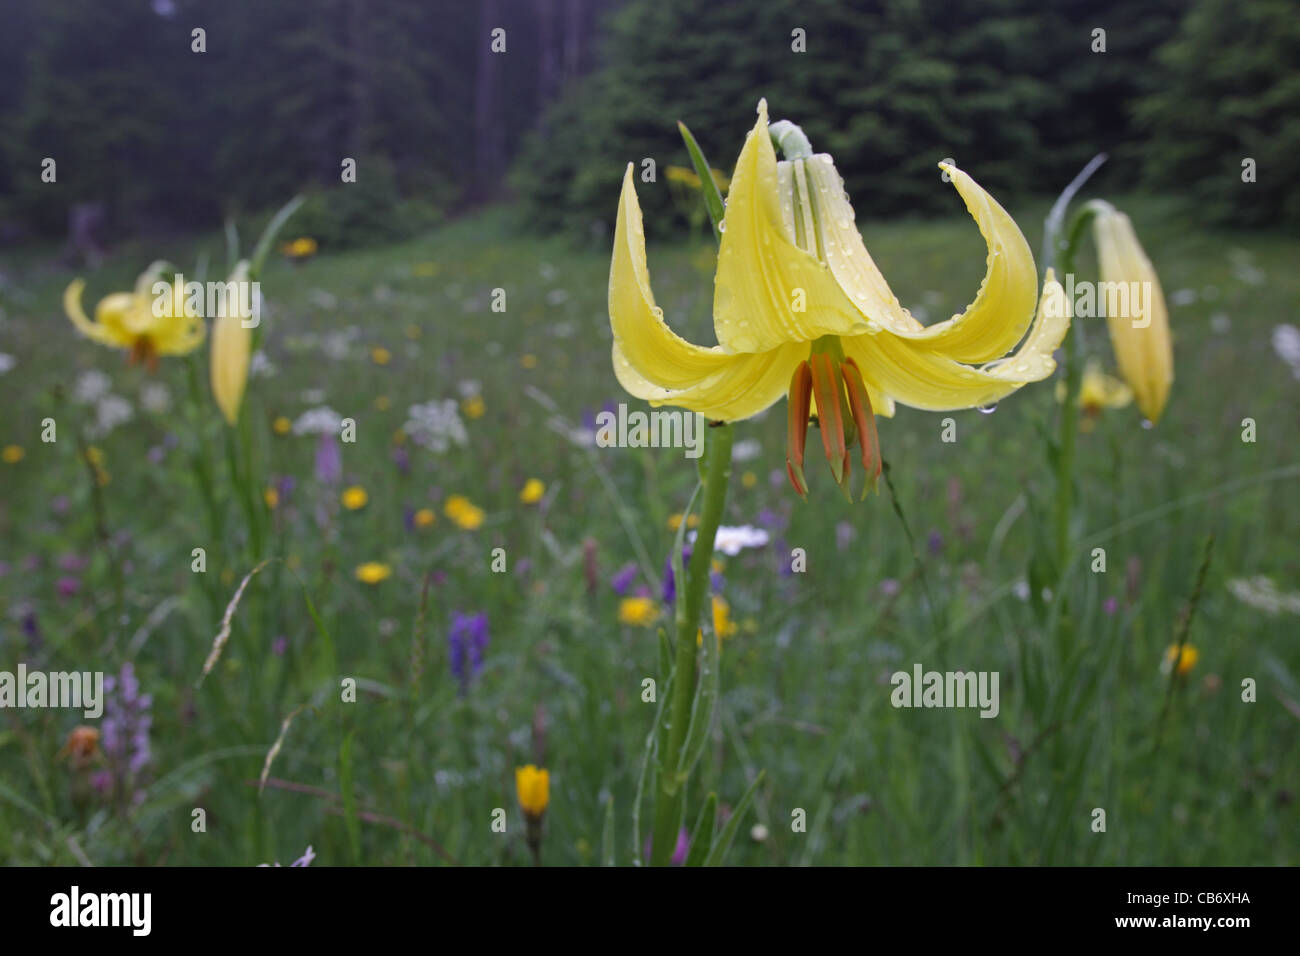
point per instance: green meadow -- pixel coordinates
(391, 758)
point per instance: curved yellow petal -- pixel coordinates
(1002, 309)
(72, 306)
(768, 290)
(640, 333)
(1140, 336)
(744, 386)
(916, 375)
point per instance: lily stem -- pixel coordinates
(672, 795)
(1070, 406)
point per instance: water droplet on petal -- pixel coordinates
(987, 409)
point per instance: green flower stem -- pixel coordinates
(671, 798)
(1070, 406)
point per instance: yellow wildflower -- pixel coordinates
(463, 512)
(425, 518)
(799, 307)
(372, 572)
(12, 454)
(281, 425)
(1139, 336)
(145, 324)
(355, 498)
(637, 611)
(532, 491)
(380, 355)
(1186, 660)
(533, 787)
(473, 406)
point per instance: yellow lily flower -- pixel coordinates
(1097, 392)
(800, 307)
(146, 325)
(1141, 338)
(232, 344)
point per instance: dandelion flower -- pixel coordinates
(372, 572)
(355, 498)
(1186, 660)
(637, 611)
(425, 518)
(12, 454)
(463, 512)
(532, 491)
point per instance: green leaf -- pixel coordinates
(268, 235)
(702, 835)
(651, 739)
(712, 195)
(723, 842)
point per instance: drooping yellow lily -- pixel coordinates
(1140, 337)
(232, 344)
(800, 307)
(1097, 392)
(145, 324)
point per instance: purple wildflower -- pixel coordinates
(68, 586)
(934, 544)
(679, 851)
(670, 579)
(468, 639)
(402, 459)
(304, 860)
(1111, 606)
(621, 581)
(329, 460)
(844, 535)
(125, 734)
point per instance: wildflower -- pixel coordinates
(731, 541)
(12, 454)
(675, 521)
(304, 247)
(1187, 658)
(329, 460)
(637, 611)
(1261, 593)
(318, 421)
(281, 425)
(749, 479)
(372, 572)
(232, 343)
(145, 324)
(473, 407)
(125, 731)
(800, 307)
(425, 518)
(532, 491)
(272, 498)
(467, 640)
(155, 397)
(435, 425)
(723, 625)
(528, 360)
(463, 512)
(680, 849)
(304, 860)
(1097, 392)
(354, 498)
(382, 403)
(380, 355)
(68, 586)
(1286, 343)
(1140, 338)
(82, 745)
(621, 581)
(533, 787)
